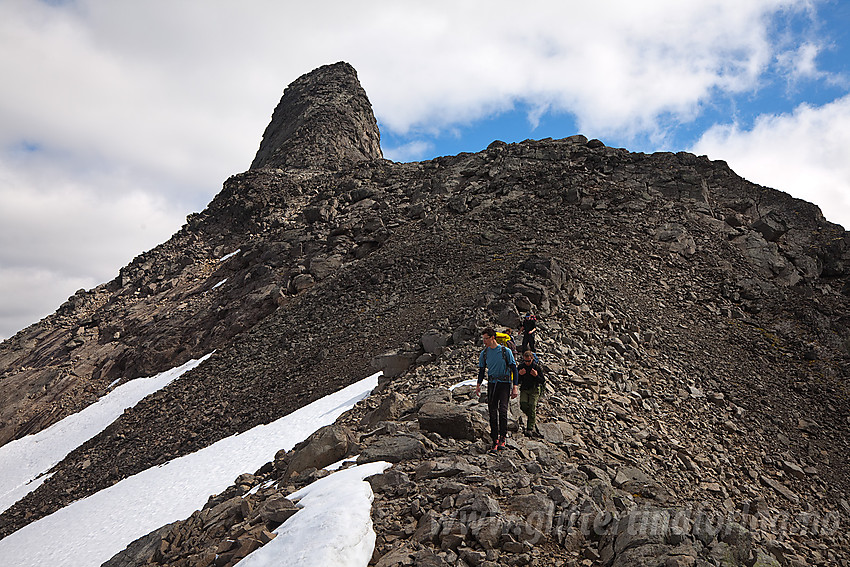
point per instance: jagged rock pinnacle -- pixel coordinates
(324, 119)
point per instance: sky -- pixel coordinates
(90, 531)
(120, 118)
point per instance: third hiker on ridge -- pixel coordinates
(528, 328)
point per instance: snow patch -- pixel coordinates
(323, 532)
(23, 461)
(90, 531)
(231, 255)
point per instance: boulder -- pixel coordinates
(140, 551)
(537, 510)
(323, 267)
(640, 528)
(432, 395)
(771, 227)
(447, 419)
(392, 449)
(677, 239)
(392, 407)
(324, 447)
(394, 364)
(277, 509)
(488, 531)
(556, 431)
(434, 341)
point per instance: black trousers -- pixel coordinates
(527, 343)
(498, 397)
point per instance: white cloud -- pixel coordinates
(616, 65)
(57, 236)
(32, 293)
(411, 151)
(158, 79)
(800, 63)
(803, 153)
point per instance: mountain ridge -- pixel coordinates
(346, 262)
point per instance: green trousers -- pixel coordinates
(528, 405)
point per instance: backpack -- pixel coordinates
(505, 340)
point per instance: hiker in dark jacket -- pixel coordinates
(501, 366)
(528, 328)
(531, 383)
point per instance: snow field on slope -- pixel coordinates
(92, 530)
(24, 462)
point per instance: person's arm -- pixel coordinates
(481, 365)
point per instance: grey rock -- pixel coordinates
(740, 542)
(640, 528)
(780, 488)
(794, 470)
(447, 419)
(677, 239)
(323, 267)
(392, 407)
(393, 364)
(427, 529)
(401, 556)
(433, 395)
(771, 227)
(392, 449)
(646, 555)
(538, 510)
(391, 480)
(277, 509)
(140, 551)
(482, 505)
(524, 532)
(488, 531)
(763, 559)
(433, 341)
(302, 282)
(326, 446)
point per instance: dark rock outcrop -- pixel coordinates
(323, 120)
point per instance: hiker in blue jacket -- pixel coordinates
(502, 384)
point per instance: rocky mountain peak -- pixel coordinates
(324, 119)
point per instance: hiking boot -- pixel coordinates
(500, 444)
(495, 447)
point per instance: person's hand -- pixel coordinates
(477, 390)
(533, 372)
(522, 371)
(515, 391)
